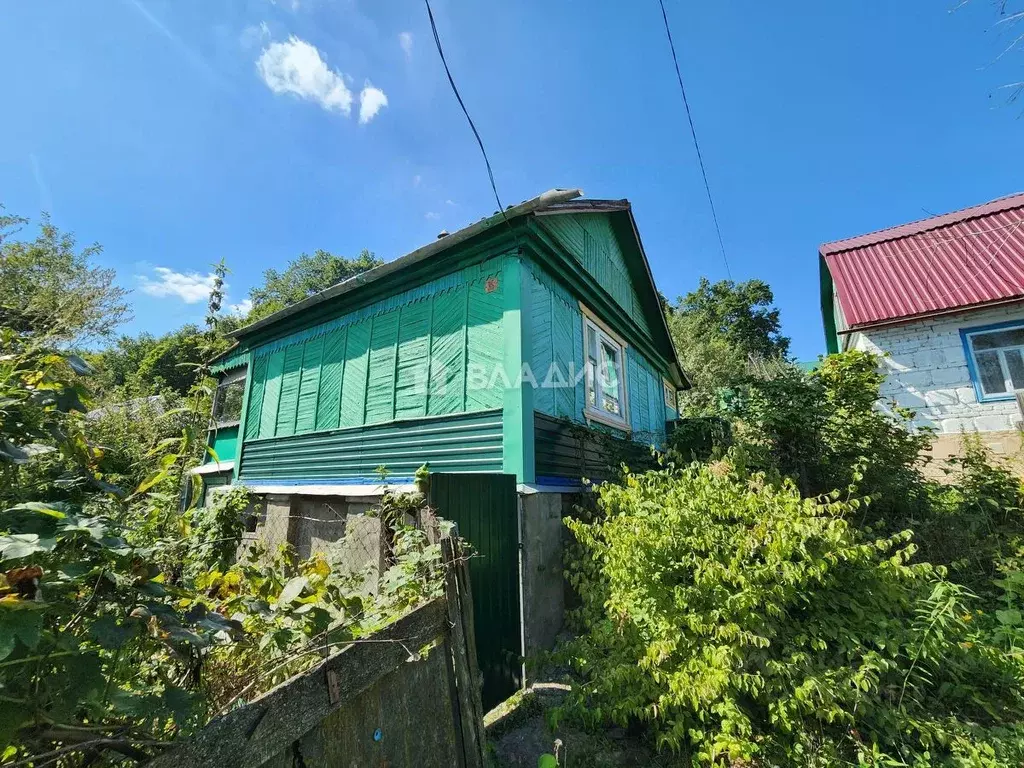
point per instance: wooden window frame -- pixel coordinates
(595, 413)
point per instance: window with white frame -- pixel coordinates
(606, 389)
(998, 360)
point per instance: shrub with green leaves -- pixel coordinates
(747, 625)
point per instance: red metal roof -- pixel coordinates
(962, 259)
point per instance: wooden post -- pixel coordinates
(469, 630)
(468, 692)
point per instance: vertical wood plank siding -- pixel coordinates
(590, 240)
(556, 328)
(407, 356)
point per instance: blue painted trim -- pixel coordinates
(969, 355)
(389, 480)
(561, 481)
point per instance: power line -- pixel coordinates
(693, 132)
(479, 141)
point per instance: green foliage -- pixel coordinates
(304, 277)
(53, 292)
(826, 427)
(718, 330)
(144, 366)
(974, 524)
(215, 530)
(123, 620)
(293, 612)
(749, 625)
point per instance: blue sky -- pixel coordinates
(177, 133)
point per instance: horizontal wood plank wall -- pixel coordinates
(567, 451)
(469, 442)
(404, 357)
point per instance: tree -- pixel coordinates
(719, 330)
(53, 292)
(304, 277)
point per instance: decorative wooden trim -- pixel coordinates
(589, 315)
(609, 421)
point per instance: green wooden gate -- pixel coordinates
(484, 506)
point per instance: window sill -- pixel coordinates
(607, 419)
(997, 398)
(224, 425)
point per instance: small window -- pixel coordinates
(606, 391)
(227, 401)
(998, 361)
(670, 396)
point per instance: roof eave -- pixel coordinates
(550, 197)
(925, 315)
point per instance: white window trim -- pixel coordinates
(595, 413)
(976, 368)
(671, 395)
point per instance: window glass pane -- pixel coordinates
(990, 370)
(591, 365)
(1015, 365)
(610, 378)
(229, 401)
(1012, 337)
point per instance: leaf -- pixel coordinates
(12, 453)
(39, 507)
(292, 590)
(547, 761)
(109, 634)
(19, 625)
(20, 545)
(1011, 617)
(150, 481)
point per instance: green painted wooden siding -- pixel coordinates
(470, 442)
(591, 241)
(371, 367)
(224, 442)
(556, 328)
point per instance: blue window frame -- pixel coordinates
(995, 359)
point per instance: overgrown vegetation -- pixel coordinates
(803, 594)
(125, 620)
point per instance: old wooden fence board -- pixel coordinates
(300, 715)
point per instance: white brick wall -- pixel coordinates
(927, 371)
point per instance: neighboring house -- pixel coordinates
(943, 300)
(500, 350)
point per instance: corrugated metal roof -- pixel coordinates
(967, 258)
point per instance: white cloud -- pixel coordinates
(405, 40)
(297, 67)
(416, 180)
(242, 308)
(433, 216)
(255, 34)
(450, 202)
(371, 101)
(190, 287)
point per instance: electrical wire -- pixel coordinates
(693, 133)
(472, 125)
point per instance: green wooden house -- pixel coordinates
(516, 353)
(475, 353)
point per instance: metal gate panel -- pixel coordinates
(485, 508)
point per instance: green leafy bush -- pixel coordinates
(748, 625)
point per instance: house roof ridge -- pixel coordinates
(900, 231)
(541, 201)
